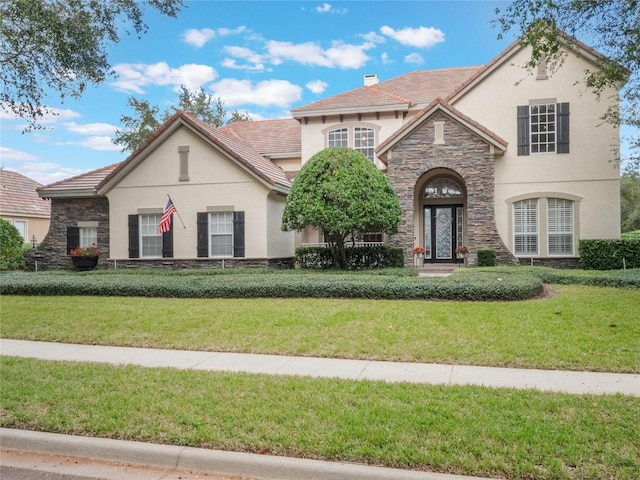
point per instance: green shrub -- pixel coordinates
(11, 251)
(358, 258)
(472, 285)
(486, 257)
(609, 254)
(631, 235)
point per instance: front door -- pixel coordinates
(443, 232)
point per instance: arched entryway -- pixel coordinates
(440, 199)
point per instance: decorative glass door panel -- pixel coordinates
(427, 234)
(444, 229)
(443, 232)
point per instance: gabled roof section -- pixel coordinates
(400, 93)
(233, 146)
(19, 196)
(575, 45)
(491, 138)
(270, 138)
(83, 185)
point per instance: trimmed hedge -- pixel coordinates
(594, 278)
(472, 285)
(486, 257)
(609, 254)
(358, 258)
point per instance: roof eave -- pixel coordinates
(68, 193)
(350, 110)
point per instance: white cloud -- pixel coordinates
(198, 38)
(385, 58)
(279, 93)
(91, 128)
(100, 143)
(47, 173)
(422, 37)
(373, 37)
(11, 154)
(328, 8)
(413, 58)
(132, 77)
(339, 55)
(317, 86)
(255, 60)
(223, 32)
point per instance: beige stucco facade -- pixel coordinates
(215, 183)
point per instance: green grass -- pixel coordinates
(466, 430)
(580, 328)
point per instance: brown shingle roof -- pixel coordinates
(85, 183)
(415, 88)
(18, 196)
(271, 138)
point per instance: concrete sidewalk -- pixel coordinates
(435, 374)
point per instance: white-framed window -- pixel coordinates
(338, 138)
(525, 227)
(150, 239)
(21, 226)
(560, 226)
(221, 234)
(88, 236)
(364, 141)
(543, 128)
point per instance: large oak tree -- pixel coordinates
(61, 46)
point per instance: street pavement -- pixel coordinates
(133, 460)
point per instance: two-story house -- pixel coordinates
(486, 157)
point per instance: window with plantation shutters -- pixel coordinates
(525, 227)
(560, 226)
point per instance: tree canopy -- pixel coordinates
(611, 26)
(341, 192)
(146, 118)
(61, 46)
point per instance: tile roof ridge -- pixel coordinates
(391, 96)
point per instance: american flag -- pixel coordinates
(165, 221)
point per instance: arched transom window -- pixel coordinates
(442, 188)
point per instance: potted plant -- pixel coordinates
(462, 252)
(418, 253)
(84, 258)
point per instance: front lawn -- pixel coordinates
(501, 433)
(579, 328)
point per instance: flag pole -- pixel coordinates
(177, 213)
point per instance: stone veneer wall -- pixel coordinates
(463, 153)
(51, 254)
(553, 262)
(175, 263)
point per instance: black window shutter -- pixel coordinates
(134, 239)
(523, 129)
(203, 234)
(238, 234)
(563, 128)
(167, 242)
(73, 238)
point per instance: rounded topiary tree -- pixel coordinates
(11, 252)
(341, 191)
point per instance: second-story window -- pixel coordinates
(364, 141)
(338, 138)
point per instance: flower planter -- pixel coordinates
(84, 263)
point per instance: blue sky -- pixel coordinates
(262, 57)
